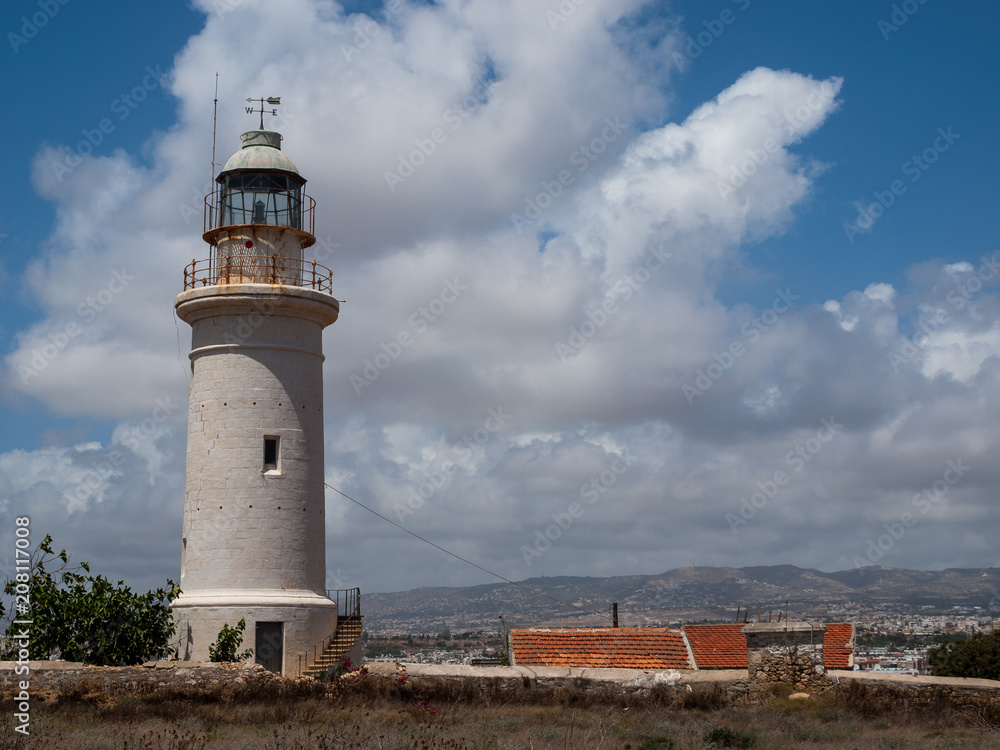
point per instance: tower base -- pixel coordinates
(285, 629)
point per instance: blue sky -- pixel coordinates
(872, 93)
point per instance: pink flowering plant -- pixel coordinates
(426, 712)
(346, 666)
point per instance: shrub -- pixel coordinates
(83, 617)
(657, 743)
(726, 737)
(425, 711)
(977, 657)
(704, 700)
(346, 666)
(229, 639)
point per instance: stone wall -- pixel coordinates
(791, 653)
(46, 677)
(49, 679)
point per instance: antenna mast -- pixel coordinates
(215, 112)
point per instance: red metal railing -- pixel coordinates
(255, 269)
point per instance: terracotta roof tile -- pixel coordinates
(628, 648)
(713, 647)
(718, 646)
(838, 646)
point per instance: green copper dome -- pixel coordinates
(261, 151)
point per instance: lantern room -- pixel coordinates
(259, 220)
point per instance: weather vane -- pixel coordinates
(269, 100)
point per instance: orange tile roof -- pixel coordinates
(628, 648)
(718, 646)
(838, 646)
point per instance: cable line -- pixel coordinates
(467, 562)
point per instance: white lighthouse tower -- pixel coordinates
(253, 544)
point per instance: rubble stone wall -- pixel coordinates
(793, 656)
(47, 676)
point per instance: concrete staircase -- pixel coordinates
(347, 634)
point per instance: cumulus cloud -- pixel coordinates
(581, 372)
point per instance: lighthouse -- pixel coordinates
(253, 543)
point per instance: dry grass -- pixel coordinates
(375, 713)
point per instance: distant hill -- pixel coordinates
(684, 594)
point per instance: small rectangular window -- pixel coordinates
(270, 454)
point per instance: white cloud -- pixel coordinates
(959, 353)
(882, 292)
(623, 279)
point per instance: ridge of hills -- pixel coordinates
(692, 594)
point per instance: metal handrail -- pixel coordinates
(351, 601)
(350, 598)
(253, 269)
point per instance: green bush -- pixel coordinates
(726, 737)
(657, 743)
(230, 639)
(83, 617)
(977, 657)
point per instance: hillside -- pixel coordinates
(688, 594)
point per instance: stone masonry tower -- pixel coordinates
(253, 543)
